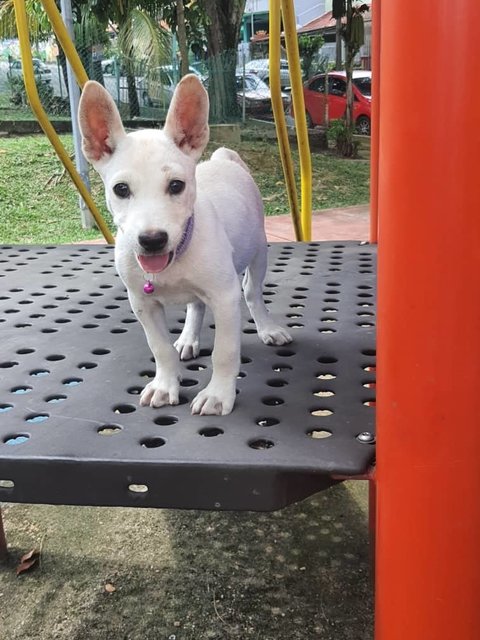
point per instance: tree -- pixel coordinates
(222, 28)
(308, 46)
(182, 38)
(353, 34)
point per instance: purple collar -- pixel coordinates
(185, 239)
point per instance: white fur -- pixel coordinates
(228, 237)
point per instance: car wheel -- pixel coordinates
(108, 69)
(362, 125)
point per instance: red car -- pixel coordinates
(314, 94)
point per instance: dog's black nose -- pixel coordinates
(153, 240)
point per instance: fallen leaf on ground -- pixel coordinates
(28, 561)
(110, 588)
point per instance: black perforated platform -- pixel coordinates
(74, 358)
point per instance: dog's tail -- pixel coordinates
(227, 154)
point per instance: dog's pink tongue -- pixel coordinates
(153, 264)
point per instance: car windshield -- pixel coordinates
(364, 85)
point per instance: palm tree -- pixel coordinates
(140, 36)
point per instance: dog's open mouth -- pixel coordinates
(155, 263)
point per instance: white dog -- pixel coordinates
(185, 232)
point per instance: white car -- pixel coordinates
(40, 70)
(157, 89)
(258, 100)
(261, 68)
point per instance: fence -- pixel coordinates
(140, 90)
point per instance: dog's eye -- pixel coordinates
(175, 187)
(122, 190)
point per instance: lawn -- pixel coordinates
(40, 205)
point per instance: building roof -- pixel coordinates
(326, 21)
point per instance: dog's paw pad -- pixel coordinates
(276, 336)
(157, 395)
(187, 349)
(208, 403)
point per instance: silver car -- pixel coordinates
(261, 68)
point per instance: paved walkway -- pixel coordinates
(348, 223)
(343, 223)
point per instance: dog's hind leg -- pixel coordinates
(188, 343)
(268, 330)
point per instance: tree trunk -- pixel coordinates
(223, 32)
(132, 88)
(182, 38)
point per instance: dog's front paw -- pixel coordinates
(275, 334)
(214, 400)
(187, 348)
(160, 392)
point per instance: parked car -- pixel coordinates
(258, 100)
(157, 89)
(314, 94)
(40, 70)
(261, 67)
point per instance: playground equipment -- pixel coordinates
(425, 185)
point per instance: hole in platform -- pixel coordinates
(134, 391)
(7, 484)
(24, 352)
(37, 373)
(369, 352)
(18, 438)
(272, 401)
(281, 367)
(285, 353)
(5, 407)
(370, 403)
(188, 382)
(327, 360)
(21, 390)
(324, 393)
(321, 412)
(152, 443)
(138, 488)
(245, 360)
(118, 330)
(87, 365)
(276, 382)
(196, 367)
(100, 352)
(148, 373)
(293, 325)
(108, 429)
(124, 408)
(55, 357)
(71, 382)
(261, 444)
(56, 398)
(165, 421)
(267, 422)
(36, 418)
(211, 432)
(319, 434)
(205, 352)
(8, 365)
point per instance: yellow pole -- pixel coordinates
(293, 56)
(64, 39)
(36, 105)
(279, 116)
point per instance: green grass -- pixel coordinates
(39, 207)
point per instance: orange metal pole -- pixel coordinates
(428, 435)
(374, 143)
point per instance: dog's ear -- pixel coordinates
(99, 122)
(187, 118)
